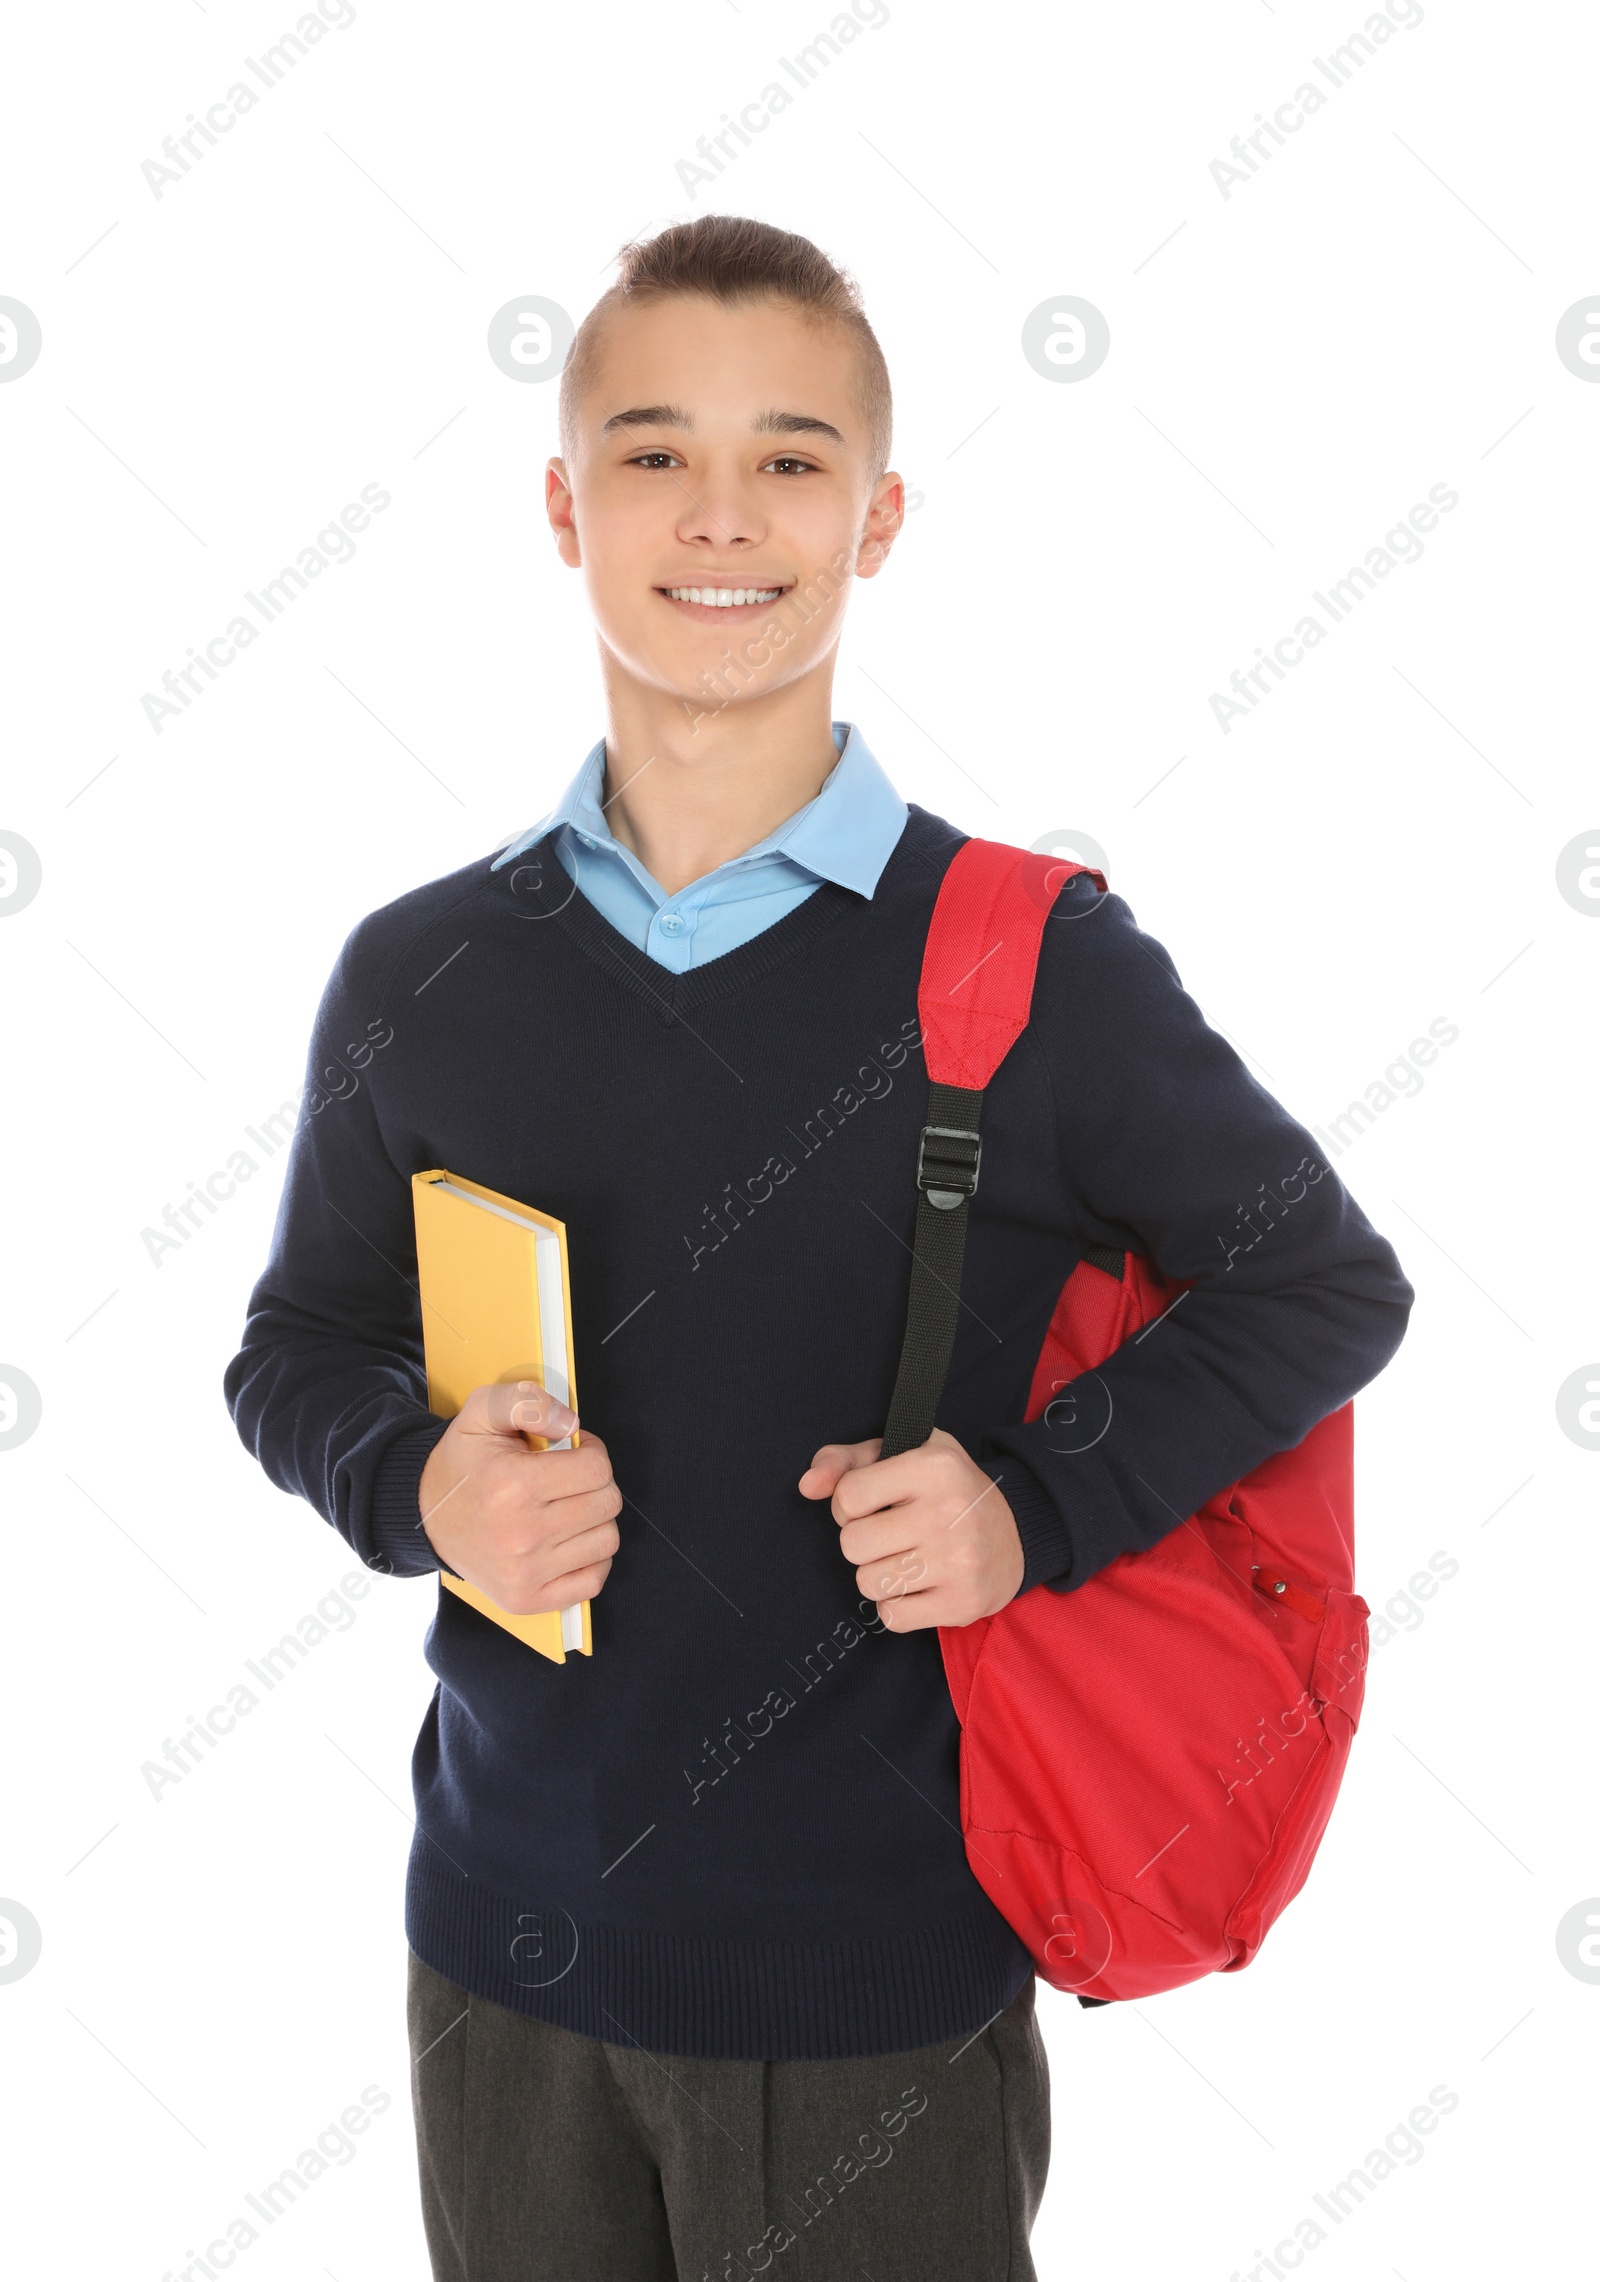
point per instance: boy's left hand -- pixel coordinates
(934, 1540)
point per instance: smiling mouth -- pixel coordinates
(723, 601)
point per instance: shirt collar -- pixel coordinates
(846, 833)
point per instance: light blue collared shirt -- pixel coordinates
(846, 833)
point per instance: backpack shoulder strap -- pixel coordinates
(982, 951)
(973, 1003)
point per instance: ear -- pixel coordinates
(885, 515)
(558, 505)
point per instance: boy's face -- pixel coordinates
(722, 451)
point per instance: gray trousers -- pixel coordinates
(548, 2157)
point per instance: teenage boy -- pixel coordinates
(700, 1980)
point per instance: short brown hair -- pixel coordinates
(731, 259)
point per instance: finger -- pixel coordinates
(561, 1475)
(877, 1486)
(527, 1408)
(586, 1525)
(902, 1577)
(581, 1584)
(833, 1461)
(598, 1542)
(576, 1554)
(876, 1539)
(568, 1527)
(559, 1593)
(910, 1612)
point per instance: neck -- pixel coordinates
(686, 796)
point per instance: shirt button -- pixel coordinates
(670, 923)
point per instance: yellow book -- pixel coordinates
(496, 1307)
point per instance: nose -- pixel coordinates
(719, 511)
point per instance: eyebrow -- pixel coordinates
(676, 416)
(796, 424)
(650, 416)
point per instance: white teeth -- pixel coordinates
(725, 597)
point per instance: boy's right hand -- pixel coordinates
(534, 1529)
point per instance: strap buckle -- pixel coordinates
(947, 1173)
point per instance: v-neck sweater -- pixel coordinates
(735, 1829)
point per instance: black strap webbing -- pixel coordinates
(1107, 1258)
(947, 1174)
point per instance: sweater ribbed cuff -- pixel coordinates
(1046, 1545)
(400, 1545)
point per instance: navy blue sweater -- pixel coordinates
(735, 1829)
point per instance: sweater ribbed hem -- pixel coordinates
(731, 1999)
(399, 1544)
(1046, 1546)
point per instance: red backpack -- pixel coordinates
(1148, 1760)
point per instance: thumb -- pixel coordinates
(527, 1408)
(832, 1462)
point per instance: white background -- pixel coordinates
(224, 367)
